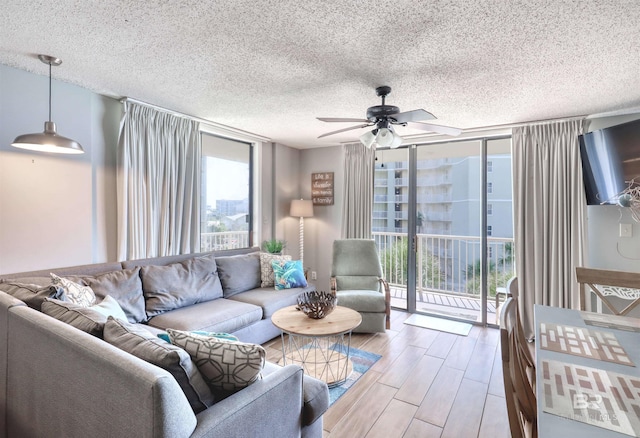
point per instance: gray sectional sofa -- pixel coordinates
(57, 380)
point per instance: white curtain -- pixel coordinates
(549, 215)
(158, 184)
(358, 191)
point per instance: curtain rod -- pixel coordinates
(198, 119)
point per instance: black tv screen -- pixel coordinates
(610, 159)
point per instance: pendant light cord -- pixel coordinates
(49, 90)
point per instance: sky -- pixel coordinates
(226, 179)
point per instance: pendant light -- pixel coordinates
(49, 140)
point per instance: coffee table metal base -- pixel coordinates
(324, 357)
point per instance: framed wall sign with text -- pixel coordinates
(322, 188)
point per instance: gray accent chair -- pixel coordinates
(358, 282)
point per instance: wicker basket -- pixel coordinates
(317, 305)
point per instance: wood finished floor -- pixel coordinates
(428, 384)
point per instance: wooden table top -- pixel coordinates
(295, 322)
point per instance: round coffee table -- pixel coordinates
(320, 346)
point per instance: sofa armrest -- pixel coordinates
(269, 407)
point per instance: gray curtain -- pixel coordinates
(158, 182)
(358, 191)
(549, 215)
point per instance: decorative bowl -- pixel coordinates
(316, 304)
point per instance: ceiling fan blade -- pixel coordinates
(412, 116)
(338, 119)
(345, 129)
(447, 130)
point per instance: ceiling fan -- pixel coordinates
(383, 117)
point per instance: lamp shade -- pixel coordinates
(367, 138)
(384, 137)
(301, 208)
(48, 141)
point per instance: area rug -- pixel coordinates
(362, 361)
(441, 324)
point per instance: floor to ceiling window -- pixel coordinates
(226, 201)
(443, 222)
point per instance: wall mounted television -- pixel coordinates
(610, 159)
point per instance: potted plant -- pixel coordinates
(274, 246)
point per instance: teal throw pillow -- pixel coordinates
(288, 274)
(225, 336)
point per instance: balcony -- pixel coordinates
(448, 278)
(224, 240)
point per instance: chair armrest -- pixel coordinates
(251, 411)
(387, 300)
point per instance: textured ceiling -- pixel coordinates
(272, 67)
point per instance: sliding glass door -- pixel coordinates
(443, 223)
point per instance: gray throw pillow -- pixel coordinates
(88, 319)
(142, 344)
(32, 294)
(180, 284)
(239, 273)
(125, 286)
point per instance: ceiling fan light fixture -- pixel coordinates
(385, 137)
(397, 141)
(368, 138)
(49, 140)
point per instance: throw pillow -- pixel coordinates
(239, 273)
(32, 294)
(75, 293)
(180, 284)
(266, 268)
(126, 287)
(225, 336)
(82, 318)
(226, 366)
(142, 344)
(288, 274)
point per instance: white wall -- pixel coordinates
(605, 249)
(55, 210)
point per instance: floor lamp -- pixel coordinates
(301, 208)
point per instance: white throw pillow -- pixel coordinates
(75, 293)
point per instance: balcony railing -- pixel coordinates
(448, 264)
(224, 240)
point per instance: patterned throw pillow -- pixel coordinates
(266, 268)
(226, 366)
(224, 336)
(288, 274)
(75, 293)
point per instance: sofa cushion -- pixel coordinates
(266, 268)
(144, 345)
(32, 294)
(219, 315)
(288, 275)
(88, 319)
(239, 273)
(271, 300)
(180, 284)
(123, 285)
(227, 366)
(76, 293)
